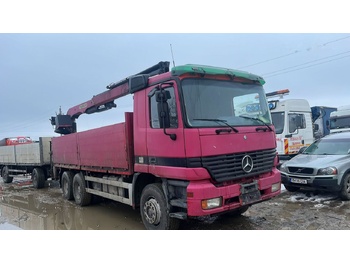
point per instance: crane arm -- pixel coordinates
(65, 123)
(100, 102)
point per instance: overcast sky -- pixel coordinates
(41, 72)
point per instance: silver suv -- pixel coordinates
(324, 165)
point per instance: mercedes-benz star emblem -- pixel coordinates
(247, 164)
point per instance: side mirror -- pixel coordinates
(163, 110)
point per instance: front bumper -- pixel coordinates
(326, 183)
(231, 194)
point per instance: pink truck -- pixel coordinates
(198, 142)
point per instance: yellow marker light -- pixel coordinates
(211, 203)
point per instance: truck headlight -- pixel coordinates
(211, 203)
(331, 170)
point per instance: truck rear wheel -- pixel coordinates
(67, 185)
(6, 175)
(81, 197)
(38, 177)
(154, 211)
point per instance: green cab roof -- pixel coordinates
(210, 70)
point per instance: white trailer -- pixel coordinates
(34, 159)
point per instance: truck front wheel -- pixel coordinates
(81, 197)
(154, 211)
(6, 175)
(67, 185)
(38, 178)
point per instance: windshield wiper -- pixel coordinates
(220, 121)
(259, 120)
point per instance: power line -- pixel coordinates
(309, 66)
(292, 53)
(313, 61)
(265, 61)
(10, 126)
(340, 39)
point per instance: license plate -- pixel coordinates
(250, 197)
(298, 181)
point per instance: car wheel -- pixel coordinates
(345, 187)
(292, 188)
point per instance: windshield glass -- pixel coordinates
(278, 121)
(213, 103)
(341, 122)
(329, 147)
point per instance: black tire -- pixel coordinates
(38, 178)
(345, 187)
(292, 188)
(67, 185)
(81, 197)
(6, 175)
(154, 211)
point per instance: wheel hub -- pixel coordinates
(152, 211)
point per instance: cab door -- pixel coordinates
(165, 138)
(300, 131)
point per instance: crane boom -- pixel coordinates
(65, 123)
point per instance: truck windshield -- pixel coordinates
(226, 101)
(340, 122)
(278, 121)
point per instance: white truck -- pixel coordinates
(292, 119)
(340, 119)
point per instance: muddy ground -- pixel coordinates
(23, 207)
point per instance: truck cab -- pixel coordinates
(293, 126)
(340, 119)
(321, 120)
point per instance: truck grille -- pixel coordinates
(229, 167)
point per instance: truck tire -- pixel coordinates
(6, 175)
(81, 197)
(154, 211)
(345, 187)
(38, 178)
(67, 185)
(292, 188)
